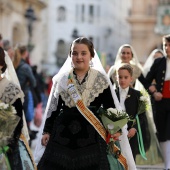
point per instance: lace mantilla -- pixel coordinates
(53, 102)
(95, 83)
(9, 92)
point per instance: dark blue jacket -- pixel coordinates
(25, 76)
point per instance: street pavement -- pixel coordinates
(150, 167)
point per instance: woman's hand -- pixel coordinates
(45, 139)
(131, 132)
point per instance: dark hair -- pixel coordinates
(126, 67)
(166, 38)
(6, 45)
(2, 60)
(22, 49)
(85, 41)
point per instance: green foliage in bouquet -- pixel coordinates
(113, 119)
(143, 103)
(8, 122)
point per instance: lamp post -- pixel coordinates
(30, 16)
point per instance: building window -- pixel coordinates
(98, 11)
(82, 13)
(61, 52)
(61, 14)
(75, 34)
(91, 13)
(91, 39)
(77, 12)
(149, 10)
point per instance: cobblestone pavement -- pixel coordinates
(150, 167)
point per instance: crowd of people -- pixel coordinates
(71, 134)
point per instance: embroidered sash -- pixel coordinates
(91, 118)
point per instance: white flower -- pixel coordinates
(13, 110)
(143, 98)
(4, 106)
(110, 126)
(128, 96)
(114, 111)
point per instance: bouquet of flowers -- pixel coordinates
(8, 122)
(142, 108)
(113, 120)
(143, 103)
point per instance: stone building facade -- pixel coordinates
(104, 22)
(146, 33)
(14, 26)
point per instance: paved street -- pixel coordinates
(151, 167)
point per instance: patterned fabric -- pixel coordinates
(74, 145)
(94, 85)
(9, 92)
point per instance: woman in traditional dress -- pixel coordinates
(71, 140)
(19, 154)
(127, 54)
(156, 53)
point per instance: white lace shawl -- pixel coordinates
(9, 92)
(94, 84)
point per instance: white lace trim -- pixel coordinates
(53, 102)
(94, 85)
(9, 92)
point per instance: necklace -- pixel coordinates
(80, 77)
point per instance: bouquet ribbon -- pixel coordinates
(3, 150)
(140, 139)
(110, 138)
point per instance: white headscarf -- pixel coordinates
(134, 62)
(150, 60)
(63, 72)
(11, 75)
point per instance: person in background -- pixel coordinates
(26, 79)
(156, 53)
(129, 101)
(19, 154)
(69, 140)
(160, 72)
(126, 54)
(7, 47)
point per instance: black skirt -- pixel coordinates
(74, 145)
